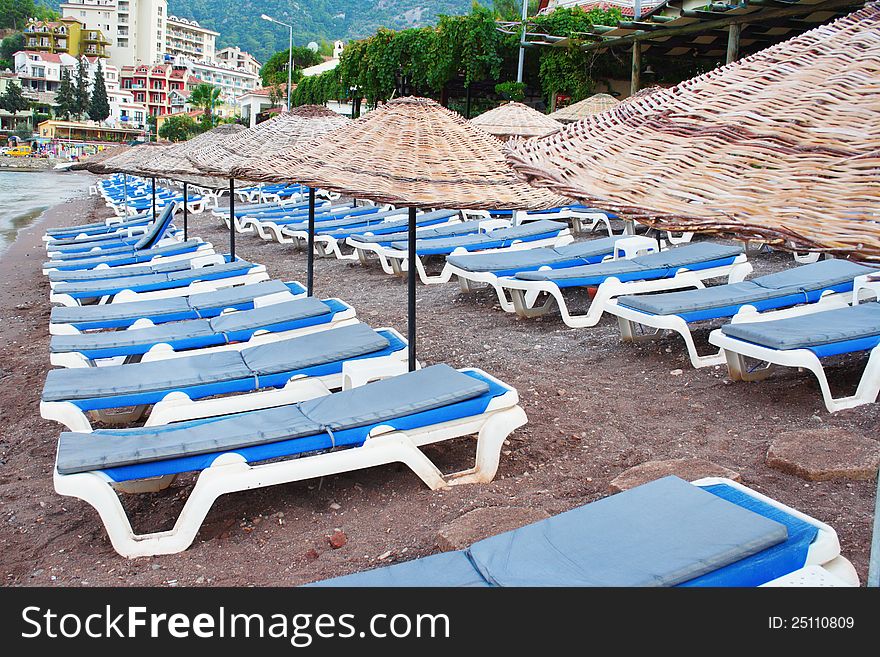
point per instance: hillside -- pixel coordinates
(239, 22)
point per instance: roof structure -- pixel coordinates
(516, 120)
(249, 148)
(411, 152)
(174, 161)
(584, 108)
(781, 147)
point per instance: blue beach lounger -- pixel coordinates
(97, 230)
(265, 323)
(486, 268)
(273, 228)
(676, 311)
(374, 424)
(531, 235)
(291, 370)
(713, 532)
(680, 267)
(803, 341)
(167, 284)
(67, 320)
(157, 231)
(168, 251)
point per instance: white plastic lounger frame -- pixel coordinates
(525, 294)
(230, 473)
(256, 274)
(178, 406)
(204, 249)
(366, 252)
(583, 222)
(736, 351)
(397, 258)
(629, 318)
(824, 552)
(163, 351)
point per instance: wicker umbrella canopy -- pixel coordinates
(516, 120)
(91, 162)
(643, 93)
(173, 161)
(584, 108)
(254, 145)
(413, 153)
(782, 146)
(130, 160)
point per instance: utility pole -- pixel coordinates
(522, 42)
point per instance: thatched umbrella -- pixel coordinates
(582, 109)
(88, 162)
(516, 120)
(781, 147)
(132, 161)
(248, 148)
(413, 153)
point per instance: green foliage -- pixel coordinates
(317, 90)
(14, 13)
(80, 89)
(205, 96)
(11, 45)
(178, 128)
(274, 71)
(511, 90)
(65, 101)
(99, 107)
(13, 101)
(511, 10)
(23, 131)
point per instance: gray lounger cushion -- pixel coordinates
(429, 232)
(231, 296)
(123, 282)
(659, 534)
(59, 276)
(515, 232)
(815, 329)
(414, 392)
(295, 353)
(680, 256)
(812, 277)
(111, 258)
(192, 328)
(447, 569)
(509, 260)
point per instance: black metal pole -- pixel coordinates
(232, 218)
(310, 262)
(185, 211)
(411, 289)
(153, 181)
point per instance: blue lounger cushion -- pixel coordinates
(102, 246)
(297, 355)
(498, 238)
(802, 284)
(664, 533)
(198, 333)
(507, 263)
(393, 226)
(358, 217)
(374, 235)
(692, 256)
(85, 270)
(328, 419)
(171, 309)
(163, 281)
(826, 333)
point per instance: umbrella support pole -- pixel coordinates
(185, 212)
(310, 261)
(232, 219)
(411, 289)
(153, 185)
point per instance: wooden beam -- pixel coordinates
(733, 42)
(705, 26)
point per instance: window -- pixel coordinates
(82, 13)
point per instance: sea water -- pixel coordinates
(24, 195)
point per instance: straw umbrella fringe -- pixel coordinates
(782, 147)
(582, 109)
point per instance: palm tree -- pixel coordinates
(205, 96)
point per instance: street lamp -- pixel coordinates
(289, 53)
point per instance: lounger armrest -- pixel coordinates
(356, 373)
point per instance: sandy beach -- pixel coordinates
(596, 408)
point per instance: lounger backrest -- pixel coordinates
(287, 311)
(815, 276)
(158, 229)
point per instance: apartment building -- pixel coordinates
(135, 29)
(233, 81)
(189, 39)
(154, 86)
(237, 58)
(67, 35)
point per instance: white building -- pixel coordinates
(238, 58)
(233, 82)
(327, 65)
(136, 29)
(189, 39)
(41, 71)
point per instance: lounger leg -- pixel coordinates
(490, 440)
(522, 307)
(738, 371)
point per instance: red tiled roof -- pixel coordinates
(55, 58)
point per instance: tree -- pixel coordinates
(511, 10)
(11, 44)
(64, 98)
(80, 89)
(274, 71)
(205, 96)
(13, 101)
(178, 128)
(99, 107)
(22, 131)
